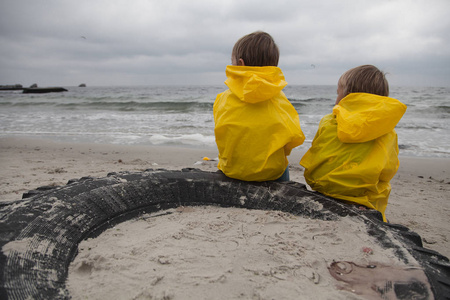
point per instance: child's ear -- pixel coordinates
(241, 62)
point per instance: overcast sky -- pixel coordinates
(146, 42)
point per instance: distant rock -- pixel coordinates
(82, 85)
(34, 85)
(44, 90)
(11, 87)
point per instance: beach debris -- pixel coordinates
(205, 159)
(194, 187)
(367, 250)
(210, 159)
(428, 241)
(315, 277)
(57, 171)
(156, 280)
(381, 281)
(164, 260)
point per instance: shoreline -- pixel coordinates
(419, 197)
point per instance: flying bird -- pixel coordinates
(83, 37)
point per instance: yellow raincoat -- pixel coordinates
(256, 126)
(354, 154)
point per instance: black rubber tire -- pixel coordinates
(52, 221)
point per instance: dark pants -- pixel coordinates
(285, 176)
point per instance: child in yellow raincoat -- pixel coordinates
(256, 126)
(354, 154)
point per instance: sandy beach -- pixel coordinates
(419, 197)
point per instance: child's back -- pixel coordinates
(256, 126)
(354, 154)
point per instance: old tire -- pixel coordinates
(39, 234)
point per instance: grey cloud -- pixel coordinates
(152, 41)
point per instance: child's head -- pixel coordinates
(257, 49)
(362, 79)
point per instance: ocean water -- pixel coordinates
(182, 115)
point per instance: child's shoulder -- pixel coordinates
(328, 119)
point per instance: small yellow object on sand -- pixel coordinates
(206, 158)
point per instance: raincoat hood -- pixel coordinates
(255, 84)
(364, 117)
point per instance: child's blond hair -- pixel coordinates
(364, 79)
(257, 49)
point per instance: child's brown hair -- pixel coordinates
(256, 49)
(364, 79)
